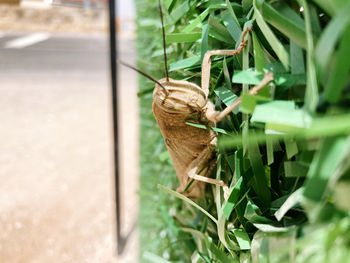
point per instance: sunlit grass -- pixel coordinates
(284, 153)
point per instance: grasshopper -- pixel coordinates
(191, 149)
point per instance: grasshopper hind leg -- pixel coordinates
(192, 174)
(196, 190)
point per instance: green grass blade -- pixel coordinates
(287, 22)
(297, 64)
(221, 256)
(271, 229)
(311, 94)
(291, 148)
(253, 214)
(315, 21)
(242, 238)
(232, 12)
(221, 226)
(291, 201)
(253, 78)
(249, 102)
(225, 95)
(320, 128)
(202, 126)
(184, 63)
(276, 45)
(339, 75)
(269, 150)
(226, 74)
(182, 37)
(327, 42)
(201, 238)
(219, 31)
(259, 180)
(332, 7)
(187, 200)
(204, 43)
(333, 151)
(196, 21)
(259, 61)
(295, 169)
(233, 198)
(231, 25)
(281, 112)
(180, 11)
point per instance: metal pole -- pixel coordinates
(113, 65)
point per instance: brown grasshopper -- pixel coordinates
(191, 149)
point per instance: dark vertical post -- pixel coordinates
(113, 65)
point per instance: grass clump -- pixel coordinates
(284, 153)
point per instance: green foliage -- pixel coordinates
(284, 153)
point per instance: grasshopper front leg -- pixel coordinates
(196, 190)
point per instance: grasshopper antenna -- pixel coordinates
(144, 74)
(164, 44)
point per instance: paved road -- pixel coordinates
(56, 191)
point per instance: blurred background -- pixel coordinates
(57, 199)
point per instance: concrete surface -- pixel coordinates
(57, 188)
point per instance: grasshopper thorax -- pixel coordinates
(179, 96)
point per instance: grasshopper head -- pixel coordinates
(179, 96)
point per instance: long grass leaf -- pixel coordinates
(253, 78)
(259, 61)
(196, 21)
(320, 128)
(297, 65)
(184, 63)
(332, 7)
(291, 25)
(327, 42)
(232, 12)
(324, 166)
(340, 73)
(180, 11)
(311, 94)
(187, 200)
(204, 43)
(231, 25)
(271, 38)
(259, 180)
(242, 237)
(182, 37)
(295, 169)
(291, 201)
(281, 112)
(219, 31)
